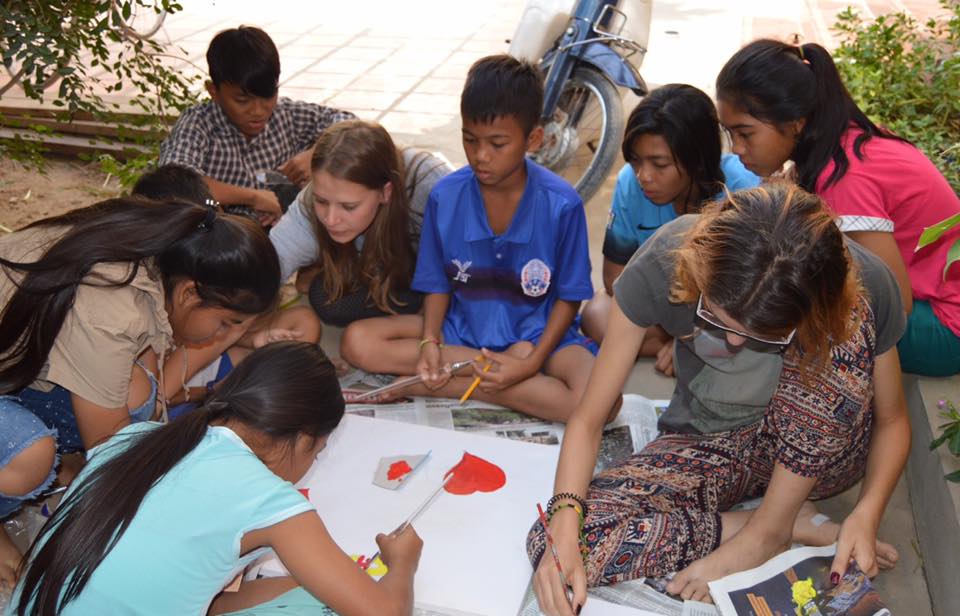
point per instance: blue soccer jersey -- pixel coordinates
(634, 218)
(502, 288)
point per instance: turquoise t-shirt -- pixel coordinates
(634, 218)
(183, 546)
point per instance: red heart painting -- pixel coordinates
(473, 474)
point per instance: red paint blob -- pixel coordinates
(474, 474)
(398, 470)
(305, 492)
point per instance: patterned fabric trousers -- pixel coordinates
(660, 510)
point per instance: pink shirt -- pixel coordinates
(896, 189)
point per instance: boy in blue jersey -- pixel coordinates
(503, 261)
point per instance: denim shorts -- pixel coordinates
(21, 428)
(33, 414)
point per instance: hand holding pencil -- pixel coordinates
(502, 370)
(560, 580)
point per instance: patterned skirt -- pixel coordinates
(660, 510)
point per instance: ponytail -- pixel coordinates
(282, 390)
(231, 259)
(779, 83)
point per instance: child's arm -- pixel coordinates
(611, 270)
(429, 366)
(297, 167)
(176, 374)
(319, 565)
(264, 202)
(512, 369)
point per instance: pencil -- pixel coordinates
(556, 557)
(476, 381)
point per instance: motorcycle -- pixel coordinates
(586, 48)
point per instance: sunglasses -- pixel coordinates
(705, 314)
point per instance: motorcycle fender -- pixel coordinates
(614, 66)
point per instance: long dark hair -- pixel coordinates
(774, 259)
(229, 257)
(687, 120)
(363, 153)
(778, 83)
(282, 390)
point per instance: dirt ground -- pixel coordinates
(66, 183)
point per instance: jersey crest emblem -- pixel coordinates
(535, 278)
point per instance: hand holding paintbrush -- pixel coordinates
(380, 394)
(567, 589)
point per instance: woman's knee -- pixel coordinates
(303, 320)
(355, 344)
(593, 319)
(30, 469)
(536, 543)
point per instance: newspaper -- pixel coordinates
(645, 595)
(634, 427)
(798, 582)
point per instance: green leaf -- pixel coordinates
(954, 445)
(933, 233)
(953, 255)
(940, 440)
(954, 476)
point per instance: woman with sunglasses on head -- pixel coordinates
(788, 388)
(674, 163)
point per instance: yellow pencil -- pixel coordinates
(476, 381)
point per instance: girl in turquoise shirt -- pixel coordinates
(163, 517)
(674, 163)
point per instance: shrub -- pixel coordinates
(79, 51)
(906, 77)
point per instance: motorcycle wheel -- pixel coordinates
(144, 21)
(582, 139)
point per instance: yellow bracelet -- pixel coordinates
(568, 505)
(426, 341)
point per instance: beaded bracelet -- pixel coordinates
(573, 506)
(566, 496)
(427, 341)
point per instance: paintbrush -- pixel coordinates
(567, 590)
(413, 516)
(406, 382)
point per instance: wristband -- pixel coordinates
(573, 506)
(427, 341)
(567, 496)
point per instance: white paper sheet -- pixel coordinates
(474, 559)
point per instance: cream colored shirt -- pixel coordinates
(106, 329)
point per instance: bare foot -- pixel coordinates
(9, 562)
(744, 551)
(808, 533)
